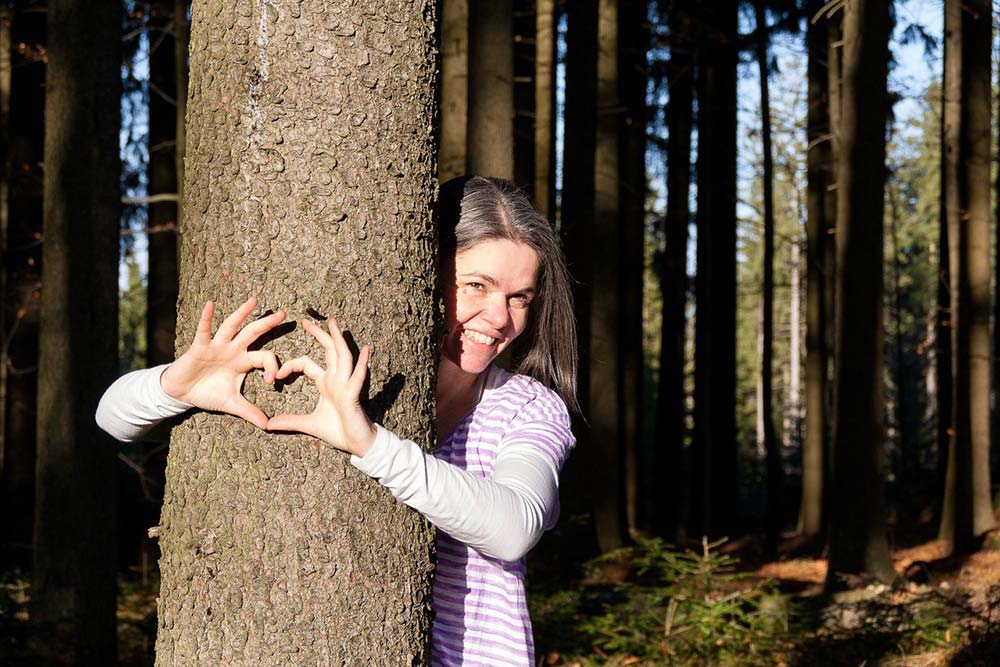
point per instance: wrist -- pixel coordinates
(169, 387)
(363, 446)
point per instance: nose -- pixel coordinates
(495, 311)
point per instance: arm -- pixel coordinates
(502, 517)
(209, 375)
(135, 404)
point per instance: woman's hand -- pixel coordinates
(211, 373)
(338, 418)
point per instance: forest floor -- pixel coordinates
(652, 606)
(721, 606)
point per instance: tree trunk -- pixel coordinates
(858, 541)
(490, 131)
(633, 44)
(576, 227)
(545, 107)
(323, 205)
(22, 274)
(161, 311)
(819, 168)
(967, 511)
(792, 423)
(714, 507)
(524, 19)
(452, 154)
(774, 468)
(605, 371)
(73, 575)
(668, 449)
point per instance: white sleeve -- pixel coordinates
(502, 517)
(135, 404)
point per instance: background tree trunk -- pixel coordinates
(524, 19)
(773, 453)
(857, 524)
(454, 88)
(633, 44)
(714, 506)
(967, 511)
(545, 107)
(668, 449)
(323, 204)
(22, 274)
(161, 291)
(490, 130)
(605, 371)
(74, 557)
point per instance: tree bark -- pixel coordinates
(819, 167)
(545, 107)
(714, 504)
(858, 541)
(967, 511)
(605, 317)
(668, 449)
(161, 290)
(73, 574)
(490, 130)
(22, 274)
(774, 468)
(274, 546)
(633, 44)
(454, 88)
(524, 17)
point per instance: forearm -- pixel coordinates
(501, 517)
(135, 404)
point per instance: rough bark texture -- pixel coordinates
(857, 524)
(490, 131)
(311, 163)
(454, 88)
(22, 274)
(819, 156)
(73, 576)
(967, 511)
(715, 451)
(633, 77)
(545, 107)
(668, 448)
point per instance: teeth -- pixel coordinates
(477, 337)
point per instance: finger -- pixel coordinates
(255, 330)
(325, 341)
(230, 325)
(360, 371)
(343, 370)
(267, 360)
(204, 332)
(303, 365)
(289, 422)
(241, 407)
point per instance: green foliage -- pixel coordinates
(688, 608)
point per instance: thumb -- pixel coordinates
(241, 407)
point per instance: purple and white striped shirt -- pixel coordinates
(481, 614)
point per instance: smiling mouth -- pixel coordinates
(477, 337)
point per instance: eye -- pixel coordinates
(475, 287)
(520, 301)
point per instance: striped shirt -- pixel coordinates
(491, 488)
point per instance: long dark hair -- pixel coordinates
(474, 209)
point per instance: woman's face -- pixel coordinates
(487, 301)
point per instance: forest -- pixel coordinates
(781, 223)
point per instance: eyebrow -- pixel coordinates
(487, 278)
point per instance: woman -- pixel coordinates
(491, 487)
